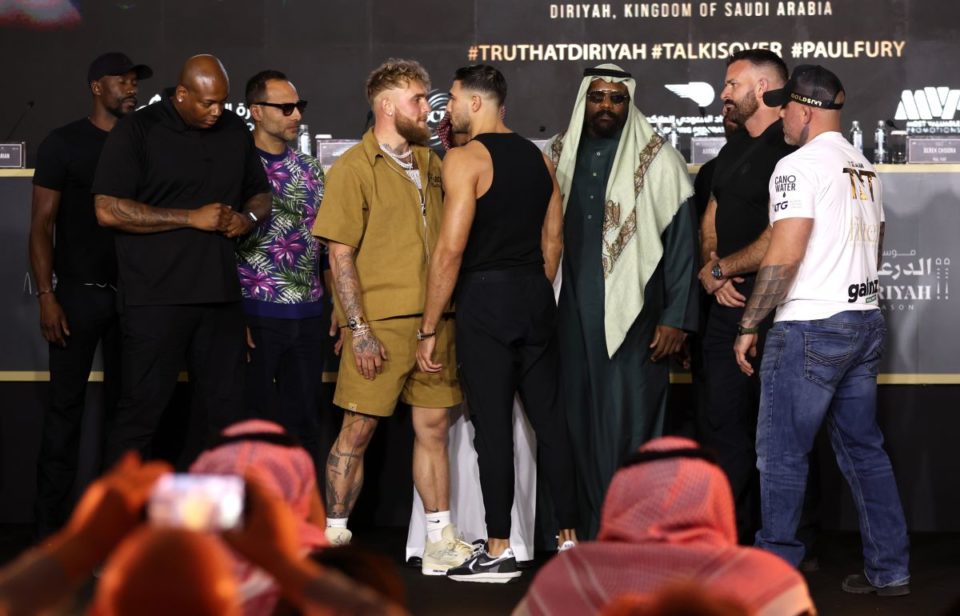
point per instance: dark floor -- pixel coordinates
(935, 566)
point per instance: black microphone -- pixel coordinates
(20, 119)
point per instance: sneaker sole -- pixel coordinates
(487, 578)
(425, 570)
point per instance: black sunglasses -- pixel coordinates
(597, 96)
(286, 108)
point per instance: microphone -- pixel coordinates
(20, 119)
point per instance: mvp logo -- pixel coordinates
(928, 104)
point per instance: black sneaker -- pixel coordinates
(858, 584)
(485, 568)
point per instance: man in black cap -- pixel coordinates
(79, 312)
(178, 181)
(823, 352)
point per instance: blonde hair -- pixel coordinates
(395, 73)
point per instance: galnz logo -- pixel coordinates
(928, 104)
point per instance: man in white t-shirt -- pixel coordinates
(822, 355)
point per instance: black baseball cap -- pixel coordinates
(116, 63)
(810, 85)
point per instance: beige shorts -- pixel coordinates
(401, 378)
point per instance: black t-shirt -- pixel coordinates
(740, 180)
(153, 157)
(66, 162)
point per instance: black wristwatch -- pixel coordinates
(716, 272)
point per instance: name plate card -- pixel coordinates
(703, 149)
(933, 149)
(13, 155)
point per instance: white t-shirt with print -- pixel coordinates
(832, 183)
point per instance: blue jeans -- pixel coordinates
(827, 369)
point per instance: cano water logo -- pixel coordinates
(437, 100)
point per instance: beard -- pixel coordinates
(606, 130)
(411, 131)
(743, 109)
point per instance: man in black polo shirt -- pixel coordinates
(80, 311)
(178, 181)
(734, 236)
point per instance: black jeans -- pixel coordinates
(157, 342)
(284, 375)
(92, 319)
(506, 344)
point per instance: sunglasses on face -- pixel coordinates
(597, 96)
(286, 108)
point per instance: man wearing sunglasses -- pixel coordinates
(280, 264)
(628, 294)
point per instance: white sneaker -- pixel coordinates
(338, 536)
(451, 551)
(566, 545)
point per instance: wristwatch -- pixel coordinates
(253, 218)
(716, 272)
(422, 335)
(355, 323)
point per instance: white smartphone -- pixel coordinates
(197, 502)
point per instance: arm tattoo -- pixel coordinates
(773, 282)
(348, 285)
(141, 218)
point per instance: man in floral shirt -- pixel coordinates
(281, 270)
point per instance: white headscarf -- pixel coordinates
(648, 183)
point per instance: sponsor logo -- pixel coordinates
(780, 206)
(700, 92)
(437, 99)
(867, 290)
(930, 103)
(785, 183)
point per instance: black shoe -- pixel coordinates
(810, 565)
(485, 568)
(858, 584)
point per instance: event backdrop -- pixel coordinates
(897, 58)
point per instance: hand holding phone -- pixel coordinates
(197, 502)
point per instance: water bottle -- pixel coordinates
(856, 136)
(674, 137)
(880, 141)
(303, 140)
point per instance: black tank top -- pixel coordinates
(509, 217)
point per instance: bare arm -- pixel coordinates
(788, 245)
(240, 223)
(708, 231)
(460, 175)
(551, 238)
(461, 172)
(43, 216)
(367, 350)
(748, 258)
(135, 217)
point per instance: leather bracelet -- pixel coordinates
(741, 330)
(43, 292)
(422, 335)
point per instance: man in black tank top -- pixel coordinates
(502, 237)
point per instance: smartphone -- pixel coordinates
(197, 502)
